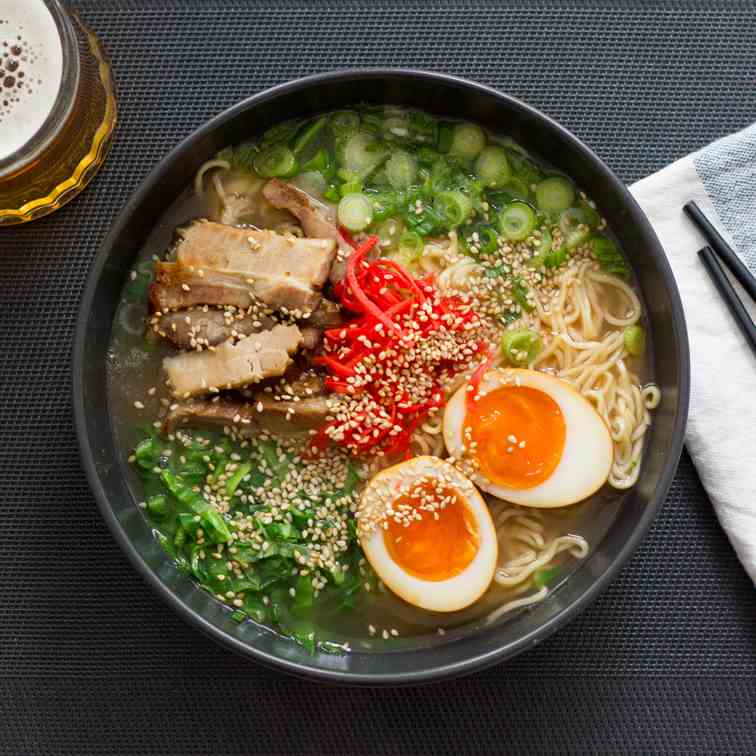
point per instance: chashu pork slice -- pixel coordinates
(199, 327)
(232, 365)
(224, 265)
(315, 218)
(195, 327)
(248, 418)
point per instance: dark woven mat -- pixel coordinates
(91, 662)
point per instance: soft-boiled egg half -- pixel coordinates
(529, 438)
(428, 534)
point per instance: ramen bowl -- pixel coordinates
(432, 656)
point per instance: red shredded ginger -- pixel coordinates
(389, 362)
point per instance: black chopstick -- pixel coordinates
(722, 248)
(725, 288)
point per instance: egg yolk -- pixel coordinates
(438, 545)
(518, 434)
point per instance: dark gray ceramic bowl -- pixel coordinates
(461, 651)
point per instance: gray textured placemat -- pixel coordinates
(91, 662)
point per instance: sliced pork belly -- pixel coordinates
(195, 327)
(231, 365)
(176, 288)
(316, 219)
(282, 271)
(248, 418)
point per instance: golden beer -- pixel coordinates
(57, 108)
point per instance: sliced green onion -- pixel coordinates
(467, 141)
(362, 153)
(281, 132)
(384, 205)
(355, 212)
(308, 133)
(520, 347)
(396, 126)
(332, 193)
(516, 188)
(344, 122)
(390, 233)
(401, 170)
(487, 239)
(410, 245)
(492, 166)
(320, 161)
(427, 156)
(634, 339)
(453, 206)
(276, 161)
(517, 221)
(571, 218)
(544, 576)
(577, 236)
(555, 194)
(543, 248)
(445, 136)
(350, 187)
(556, 257)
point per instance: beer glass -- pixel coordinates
(57, 108)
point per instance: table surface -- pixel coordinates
(92, 662)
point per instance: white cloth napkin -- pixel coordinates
(721, 434)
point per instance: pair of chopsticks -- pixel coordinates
(710, 255)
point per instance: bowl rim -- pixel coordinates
(473, 662)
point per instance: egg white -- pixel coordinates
(587, 455)
(436, 595)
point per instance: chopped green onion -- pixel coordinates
(355, 212)
(544, 576)
(634, 339)
(332, 193)
(308, 134)
(362, 153)
(517, 221)
(238, 616)
(520, 347)
(487, 239)
(445, 136)
(492, 166)
(410, 245)
(390, 232)
(344, 122)
(384, 205)
(401, 170)
(467, 141)
(555, 194)
(276, 161)
(396, 126)
(556, 257)
(350, 187)
(320, 161)
(281, 132)
(454, 207)
(515, 188)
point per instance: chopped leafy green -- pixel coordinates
(609, 257)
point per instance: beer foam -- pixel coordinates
(31, 70)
